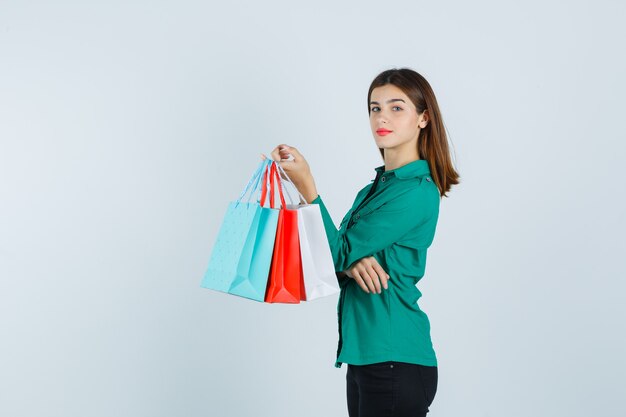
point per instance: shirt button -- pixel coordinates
(383, 179)
(357, 215)
(428, 179)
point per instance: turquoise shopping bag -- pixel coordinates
(242, 255)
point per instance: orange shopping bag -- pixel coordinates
(286, 280)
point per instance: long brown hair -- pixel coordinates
(432, 143)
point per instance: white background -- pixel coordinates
(127, 127)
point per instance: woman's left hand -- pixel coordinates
(368, 273)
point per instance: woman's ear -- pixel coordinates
(425, 119)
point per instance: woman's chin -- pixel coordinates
(383, 145)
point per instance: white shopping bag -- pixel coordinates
(318, 268)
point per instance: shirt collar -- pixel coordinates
(411, 170)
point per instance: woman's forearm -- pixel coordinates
(307, 189)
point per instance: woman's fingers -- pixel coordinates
(368, 284)
(370, 276)
(280, 152)
(377, 271)
(374, 277)
(359, 280)
(290, 150)
(275, 154)
(367, 279)
(382, 275)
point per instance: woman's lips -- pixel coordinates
(383, 132)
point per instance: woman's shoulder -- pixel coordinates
(419, 190)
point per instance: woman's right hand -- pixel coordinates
(368, 273)
(297, 168)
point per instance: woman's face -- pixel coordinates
(391, 109)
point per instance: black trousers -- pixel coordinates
(397, 389)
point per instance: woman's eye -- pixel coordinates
(394, 107)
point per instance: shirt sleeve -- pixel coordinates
(378, 229)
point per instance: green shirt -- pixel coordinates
(392, 219)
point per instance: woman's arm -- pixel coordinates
(307, 189)
(369, 234)
(380, 228)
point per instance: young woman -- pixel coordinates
(380, 248)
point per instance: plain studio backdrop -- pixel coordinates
(126, 128)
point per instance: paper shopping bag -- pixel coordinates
(242, 254)
(285, 283)
(254, 266)
(320, 279)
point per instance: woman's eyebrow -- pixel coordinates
(389, 101)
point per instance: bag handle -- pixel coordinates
(268, 165)
(255, 178)
(257, 187)
(286, 189)
(273, 174)
(294, 186)
(283, 182)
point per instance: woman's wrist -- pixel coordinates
(309, 197)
